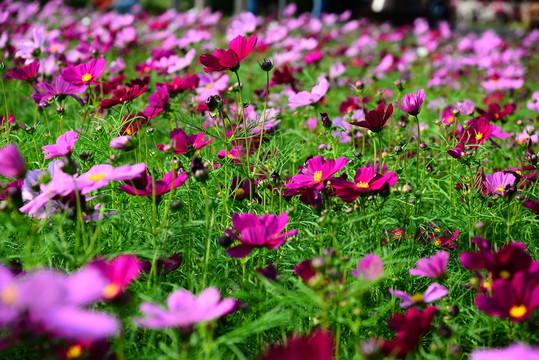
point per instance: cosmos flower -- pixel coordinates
(123, 95)
(59, 88)
(375, 120)
(253, 231)
(369, 268)
(502, 183)
(515, 299)
(84, 74)
(316, 346)
(185, 310)
(515, 351)
(316, 172)
(366, 181)
(434, 292)
(432, 267)
(99, 176)
(64, 145)
(24, 73)
(119, 273)
(146, 186)
(411, 103)
(238, 49)
(186, 144)
(309, 97)
(11, 162)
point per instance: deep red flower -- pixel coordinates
(186, 144)
(123, 95)
(494, 111)
(514, 299)
(238, 49)
(317, 346)
(24, 73)
(146, 186)
(409, 329)
(375, 120)
(185, 83)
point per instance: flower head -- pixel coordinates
(58, 88)
(369, 268)
(144, 185)
(434, 292)
(432, 267)
(316, 346)
(84, 74)
(119, 273)
(515, 351)
(366, 181)
(238, 49)
(503, 183)
(411, 103)
(11, 162)
(253, 231)
(186, 144)
(24, 73)
(64, 145)
(184, 309)
(375, 120)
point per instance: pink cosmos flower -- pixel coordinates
(186, 144)
(369, 268)
(146, 186)
(305, 97)
(466, 107)
(253, 231)
(501, 183)
(411, 103)
(58, 88)
(84, 74)
(122, 142)
(119, 273)
(24, 73)
(11, 162)
(480, 129)
(434, 292)
(515, 351)
(185, 310)
(99, 176)
(64, 145)
(238, 49)
(365, 181)
(316, 172)
(432, 267)
(533, 104)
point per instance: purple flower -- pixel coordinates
(64, 145)
(411, 103)
(144, 185)
(100, 175)
(369, 268)
(432, 267)
(184, 309)
(515, 351)
(253, 231)
(11, 162)
(60, 88)
(24, 73)
(84, 73)
(186, 144)
(434, 292)
(501, 183)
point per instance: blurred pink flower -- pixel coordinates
(305, 97)
(432, 267)
(64, 145)
(369, 268)
(434, 292)
(11, 162)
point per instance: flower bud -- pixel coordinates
(214, 102)
(326, 121)
(267, 65)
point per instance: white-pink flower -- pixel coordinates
(305, 97)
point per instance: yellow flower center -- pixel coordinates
(96, 177)
(478, 136)
(209, 86)
(9, 295)
(121, 99)
(518, 311)
(362, 184)
(53, 48)
(500, 188)
(450, 119)
(317, 176)
(230, 156)
(240, 192)
(486, 285)
(111, 290)
(87, 77)
(74, 352)
(129, 131)
(417, 298)
(504, 274)
(438, 242)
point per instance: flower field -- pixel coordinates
(195, 186)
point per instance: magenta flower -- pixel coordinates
(24, 73)
(144, 185)
(515, 299)
(119, 273)
(305, 97)
(479, 130)
(58, 88)
(11, 162)
(433, 267)
(122, 143)
(221, 60)
(253, 231)
(366, 181)
(185, 310)
(434, 292)
(375, 120)
(186, 144)
(411, 103)
(64, 145)
(100, 175)
(316, 346)
(515, 351)
(503, 183)
(84, 74)
(369, 268)
(317, 171)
